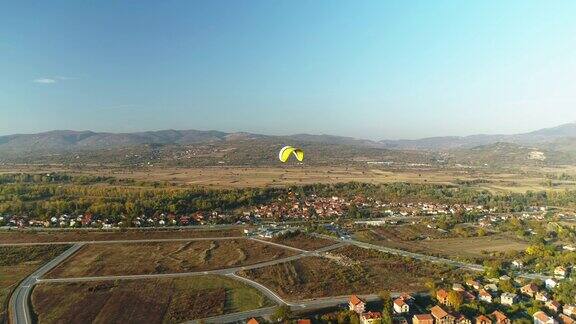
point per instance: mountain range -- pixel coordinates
(565, 132)
(559, 142)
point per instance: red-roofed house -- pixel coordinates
(356, 304)
(541, 318)
(564, 319)
(473, 283)
(400, 306)
(484, 296)
(371, 318)
(422, 319)
(252, 321)
(500, 318)
(441, 316)
(442, 296)
(529, 290)
(461, 319)
(483, 319)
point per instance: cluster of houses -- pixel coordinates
(488, 293)
(305, 208)
(405, 310)
(96, 221)
(555, 311)
(296, 207)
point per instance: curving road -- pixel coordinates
(19, 309)
(21, 313)
(309, 305)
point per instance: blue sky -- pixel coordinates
(370, 69)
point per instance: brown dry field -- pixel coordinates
(143, 301)
(16, 263)
(33, 236)
(165, 257)
(456, 247)
(350, 270)
(303, 241)
(237, 177)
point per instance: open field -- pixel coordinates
(350, 270)
(302, 241)
(33, 236)
(406, 232)
(18, 262)
(165, 257)
(471, 248)
(144, 301)
(227, 177)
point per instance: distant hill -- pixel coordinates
(534, 138)
(508, 154)
(64, 140)
(193, 147)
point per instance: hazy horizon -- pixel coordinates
(375, 69)
(278, 134)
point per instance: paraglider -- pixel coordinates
(287, 151)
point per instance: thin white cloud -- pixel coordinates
(45, 80)
(52, 80)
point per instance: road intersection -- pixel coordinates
(21, 312)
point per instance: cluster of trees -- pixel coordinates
(45, 195)
(43, 200)
(409, 192)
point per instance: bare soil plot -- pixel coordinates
(143, 301)
(348, 270)
(470, 248)
(39, 236)
(303, 241)
(166, 257)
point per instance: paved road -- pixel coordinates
(21, 295)
(302, 306)
(19, 308)
(265, 290)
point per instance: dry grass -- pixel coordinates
(349, 270)
(32, 236)
(16, 263)
(166, 257)
(303, 241)
(227, 177)
(459, 247)
(143, 301)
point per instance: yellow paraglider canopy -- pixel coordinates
(286, 151)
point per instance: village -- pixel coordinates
(293, 208)
(473, 301)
